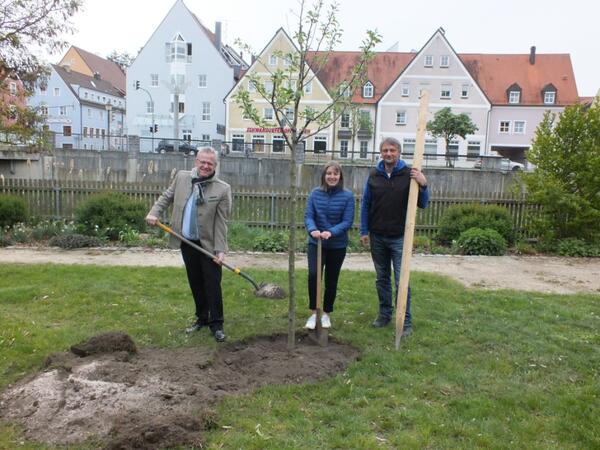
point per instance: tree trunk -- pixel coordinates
(291, 342)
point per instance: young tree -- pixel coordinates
(124, 59)
(358, 121)
(317, 34)
(566, 181)
(447, 125)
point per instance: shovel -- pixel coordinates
(320, 335)
(264, 290)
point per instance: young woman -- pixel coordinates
(328, 216)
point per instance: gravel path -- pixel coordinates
(528, 273)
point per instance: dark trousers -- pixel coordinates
(332, 260)
(204, 277)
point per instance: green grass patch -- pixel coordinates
(484, 369)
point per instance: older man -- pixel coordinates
(382, 219)
(201, 205)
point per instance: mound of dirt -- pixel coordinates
(155, 398)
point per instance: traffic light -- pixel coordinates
(137, 84)
(155, 128)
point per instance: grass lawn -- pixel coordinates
(484, 369)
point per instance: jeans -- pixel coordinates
(332, 259)
(386, 252)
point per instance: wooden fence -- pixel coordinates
(267, 209)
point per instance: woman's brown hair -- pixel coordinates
(338, 167)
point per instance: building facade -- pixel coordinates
(176, 85)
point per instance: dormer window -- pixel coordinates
(514, 94)
(549, 94)
(368, 90)
(178, 50)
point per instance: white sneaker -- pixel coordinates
(311, 323)
(325, 321)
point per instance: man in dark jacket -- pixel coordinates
(382, 218)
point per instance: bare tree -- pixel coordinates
(317, 34)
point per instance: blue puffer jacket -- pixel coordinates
(333, 211)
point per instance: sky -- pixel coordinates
(471, 26)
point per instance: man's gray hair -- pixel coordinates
(209, 150)
(391, 141)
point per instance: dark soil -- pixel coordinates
(107, 390)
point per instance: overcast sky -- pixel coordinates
(472, 26)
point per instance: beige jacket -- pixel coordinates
(212, 214)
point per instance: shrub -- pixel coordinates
(422, 244)
(20, 233)
(576, 247)
(460, 218)
(241, 236)
(129, 236)
(525, 248)
(110, 213)
(478, 241)
(47, 229)
(5, 239)
(69, 241)
(13, 210)
(272, 241)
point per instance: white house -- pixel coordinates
(177, 83)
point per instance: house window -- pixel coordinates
(12, 86)
(43, 90)
(91, 132)
(364, 149)
(186, 135)
(206, 138)
(205, 111)
(287, 61)
(268, 84)
(44, 110)
(368, 90)
(345, 120)
(405, 90)
(519, 127)
(473, 149)
(408, 145)
(278, 143)
(268, 113)
(400, 117)
(430, 149)
(504, 126)
(97, 132)
(549, 97)
(308, 88)
(103, 133)
(514, 97)
(320, 144)
(428, 61)
(202, 80)
(66, 130)
(273, 60)
(67, 146)
(344, 89)
(258, 143)
(62, 111)
(85, 133)
(237, 143)
(343, 149)
(464, 91)
(154, 80)
(89, 112)
(446, 91)
(85, 95)
(251, 87)
(176, 50)
(189, 52)
(444, 61)
(452, 149)
(149, 107)
(57, 92)
(289, 114)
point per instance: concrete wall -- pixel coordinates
(73, 165)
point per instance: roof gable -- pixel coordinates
(108, 70)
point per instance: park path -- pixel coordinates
(529, 273)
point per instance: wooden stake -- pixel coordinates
(411, 213)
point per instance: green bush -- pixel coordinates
(273, 241)
(576, 247)
(5, 239)
(422, 244)
(69, 241)
(478, 241)
(106, 215)
(20, 233)
(459, 218)
(13, 210)
(241, 236)
(130, 237)
(47, 229)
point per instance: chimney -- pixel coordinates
(532, 55)
(218, 34)
(97, 75)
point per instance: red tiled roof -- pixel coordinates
(382, 71)
(108, 70)
(495, 73)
